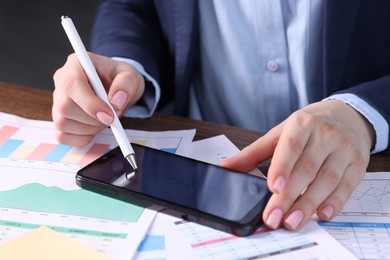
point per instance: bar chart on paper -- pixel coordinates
(37, 143)
(38, 186)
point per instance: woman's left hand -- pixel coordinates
(319, 155)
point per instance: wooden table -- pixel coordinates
(36, 104)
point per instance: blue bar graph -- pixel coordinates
(151, 243)
(58, 153)
(9, 147)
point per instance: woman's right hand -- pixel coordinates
(78, 114)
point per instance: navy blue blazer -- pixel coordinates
(162, 35)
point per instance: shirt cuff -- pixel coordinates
(151, 94)
(381, 126)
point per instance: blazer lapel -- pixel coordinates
(186, 24)
(339, 22)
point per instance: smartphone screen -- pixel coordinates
(206, 192)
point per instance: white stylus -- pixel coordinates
(98, 87)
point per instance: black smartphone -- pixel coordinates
(203, 193)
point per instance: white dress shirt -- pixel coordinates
(258, 61)
(254, 57)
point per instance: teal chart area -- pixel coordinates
(37, 197)
(38, 188)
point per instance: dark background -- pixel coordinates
(33, 43)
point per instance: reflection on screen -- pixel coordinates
(187, 183)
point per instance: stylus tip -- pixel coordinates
(131, 159)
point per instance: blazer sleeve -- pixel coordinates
(377, 94)
(129, 29)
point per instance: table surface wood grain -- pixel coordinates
(36, 103)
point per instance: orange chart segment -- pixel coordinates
(6, 132)
(40, 152)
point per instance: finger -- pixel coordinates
(287, 167)
(334, 203)
(326, 181)
(122, 77)
(75, 127)
(290, 147)
(319, 159)
(317, 152)
(65, 109)
(95, 107)
(126, 88)
(72, 83)
(258, 151)
(72, 139)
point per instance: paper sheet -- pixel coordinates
(38, 187)
(312, 242)
(45, 244)
(34, 168)
(362, 226)
(212, 150)
(206, 243)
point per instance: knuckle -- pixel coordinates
(347, 187)
(361, 162)
(57, 74)
(61, 137)
(287, 199)
(72, 58)
(60, 123)
(332, 177)
(294, 143)
(68, 75)
(72, 140)
(134, 78)
(330, 132)
(63, 107)
(309, 169)
(338, 202)
(305, 118)
(308, 203)
(346, 144)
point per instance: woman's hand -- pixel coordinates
(319, 155)
(78, 114)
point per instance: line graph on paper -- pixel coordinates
(370, 198)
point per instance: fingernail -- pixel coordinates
(328, 211)
(279, 184)
(104, 117)
(274, 218)
(294, 219)
(119, 100)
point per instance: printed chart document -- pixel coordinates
(363, 225)
(212, 150)
(38, 187)
(170, 237)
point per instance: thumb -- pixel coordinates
(126, 89)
